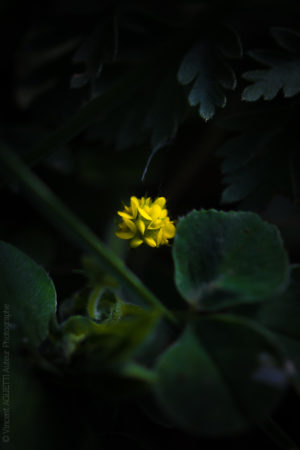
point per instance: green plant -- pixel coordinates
(209, 353)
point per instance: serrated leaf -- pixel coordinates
(27, 293)
(265, 172)
(209, 385)
(244, 181)
(166, 111)
(165, 116)
(205, 66)
(240, 150)
(283, 73)
(154, 109)
(223, 259)
(255, 168)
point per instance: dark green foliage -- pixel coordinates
(28, 294)
(107, 343)
(222, 375)
(91, 91)
(155, 106)
(282, 318)
(102, 326)
(257, 161)
(219, 259)
(283, 72)
(206, 65)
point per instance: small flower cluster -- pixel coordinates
(146, 221)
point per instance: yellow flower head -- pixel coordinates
(146, 221)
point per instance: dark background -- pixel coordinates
(93, 176)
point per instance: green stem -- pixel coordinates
(61, 216)
(139, 372)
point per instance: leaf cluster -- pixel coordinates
(93, 93)
(220, 353)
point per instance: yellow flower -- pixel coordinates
(146, 221)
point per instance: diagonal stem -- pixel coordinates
(74, 228)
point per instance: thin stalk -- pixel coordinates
(139, 372)
(278, 436)
(74, 228)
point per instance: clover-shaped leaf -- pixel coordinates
(223, 259)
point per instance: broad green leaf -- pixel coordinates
(205, 65)
(222, 376)
(282, 72)
(27, 292)
(223, 259)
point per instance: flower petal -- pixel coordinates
(125, 215)
(169, 230)
(159, 238)
(164, 213)
(146, 221)
(130, 225)
(144, 214)
(134, 203)
(161, 201)
(124, 234)
(155, 211)
(135, 242)
(155, 225)
(150, 241)
(141, 226)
